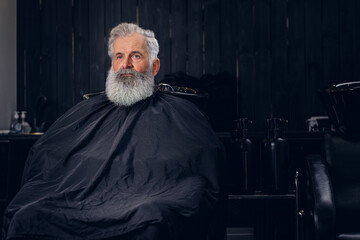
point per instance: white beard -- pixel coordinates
(125, 91)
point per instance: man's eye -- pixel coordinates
(119, 57)
(136, 57)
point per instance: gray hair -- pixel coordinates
(127, 29)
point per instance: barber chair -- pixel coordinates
(332, 209)
(332, 181)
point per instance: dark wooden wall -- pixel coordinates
(279, 51)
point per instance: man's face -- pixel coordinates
(131, 77)
(130, 53)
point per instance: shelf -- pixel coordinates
(262, 197)
(289, 135)
(29, 136)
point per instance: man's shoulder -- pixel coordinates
(182, 105)
(173, 99)
(189, 101)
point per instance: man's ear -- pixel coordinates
(156, 66)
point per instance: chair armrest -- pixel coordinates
(322, 211)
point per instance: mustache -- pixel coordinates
(127, 71)
(128, 80)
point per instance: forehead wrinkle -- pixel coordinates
(137, 43)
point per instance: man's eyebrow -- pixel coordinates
(120, 53)
(137, 52)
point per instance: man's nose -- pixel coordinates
(127, 63)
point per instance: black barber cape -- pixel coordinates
(104, 171)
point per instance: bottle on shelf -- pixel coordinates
(275, 159)
(25, 125)
(16, 126)
(242, 167)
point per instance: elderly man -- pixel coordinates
(127, 164)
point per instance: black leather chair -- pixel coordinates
(332, 199)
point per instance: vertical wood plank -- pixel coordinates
(212, 38)
(162, 33)
(97, 43)
(31, 56)
(296, 65)
(49, 58)
(356, 49)
(246, 60)
(195, 44)
(262, 63)
(347, 20)
(279, 80)
(112, 18)
(178, 35)
(128, 11)
(64, 57)
(20, 53)
(313, 58)
(228, 41)
(330, 26)
(113, 12)
(81, 49)
(228, 54)
(146, 13)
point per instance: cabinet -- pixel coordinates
(13, 153)
(268, 216)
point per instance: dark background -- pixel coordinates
(257, 58)
(278, 52)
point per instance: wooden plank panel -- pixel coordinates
(162, 32)
(279, 80)
(20, 53)
(146, 13)
(195, 43)
(262, 83)
(296, 65)
(81, 49)
(97, 44)
(128, 11)
(262, 88)
(212, 38)
(228, 33)
(246, 67)
(49, 59)
(356, 49)
(32, 56)
(64, 58)
(112, 18)
(228, 52)
(178, 35)
(347, 20)
(113, 11)
(316, 29)
(330, 22)
(313, 56)
(246, 100)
